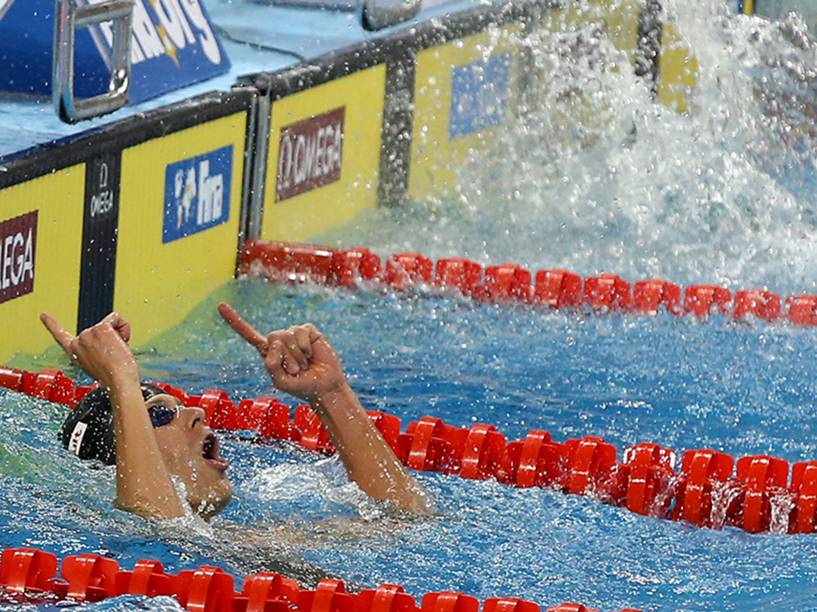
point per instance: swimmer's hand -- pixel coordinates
(302, 362)
(299, 359)
(101, 350)
(143, 484)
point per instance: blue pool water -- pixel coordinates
(683, 384)
(723, 194)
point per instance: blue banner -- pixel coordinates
(197, 194)
(479, 95)
(174, 45)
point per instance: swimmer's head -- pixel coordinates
(189, 449)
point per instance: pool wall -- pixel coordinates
(146, 215)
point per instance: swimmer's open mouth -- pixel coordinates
(211, 453)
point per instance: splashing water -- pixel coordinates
(323, 482)
(782, 504)
(743, 390)
(724, 494)
(595, 176)
(719, 194)
(664, 498)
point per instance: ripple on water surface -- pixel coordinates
(721, 194)
(742, 389)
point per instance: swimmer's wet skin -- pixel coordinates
(154, 440)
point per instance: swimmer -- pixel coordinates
(155, 441)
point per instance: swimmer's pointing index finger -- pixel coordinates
(242, 328)
(62, 337)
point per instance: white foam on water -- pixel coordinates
(324, 480)
(596, 176)
(723, 494)
(781, 504)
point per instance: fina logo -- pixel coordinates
(169, 27)
(197, 194)
(479, 95)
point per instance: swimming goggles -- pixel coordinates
(162, 415)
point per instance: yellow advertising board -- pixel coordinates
(677, 70)
(616, 19)
(573, 52)
(180, 207)
(40, 253)
(465, 91)
(324, 156)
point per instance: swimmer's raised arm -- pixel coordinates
(143, 484)
(302, 363)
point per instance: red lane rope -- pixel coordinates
(511, 283)
(30, 575)
(756, 493)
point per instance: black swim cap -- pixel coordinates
(88, 430)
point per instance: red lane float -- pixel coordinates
(387, 424)
(207, 589)
(388, 598)
(804, 487)
(505, 283)
(314, 435)
(27, 574)
(289, 262)
(557, 289)
(86, 578)
(509, 604)
(268, 416)
(354, 265)
(265, 592)
(482, 452)
(406, 270)
(218, 409)
(510, 283)
(431, 445)
(802, 309)
(703, 300)
(764, 477)
(758, 303)
(533, 462)
(147, 578)
(329, 596)
(651, 470)
(590, 463)
(449, 601)
(702, 471)
(707, 491)
(650, 296)
(457, 273)
(607, 292)
(49, 385)
(27, 570)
